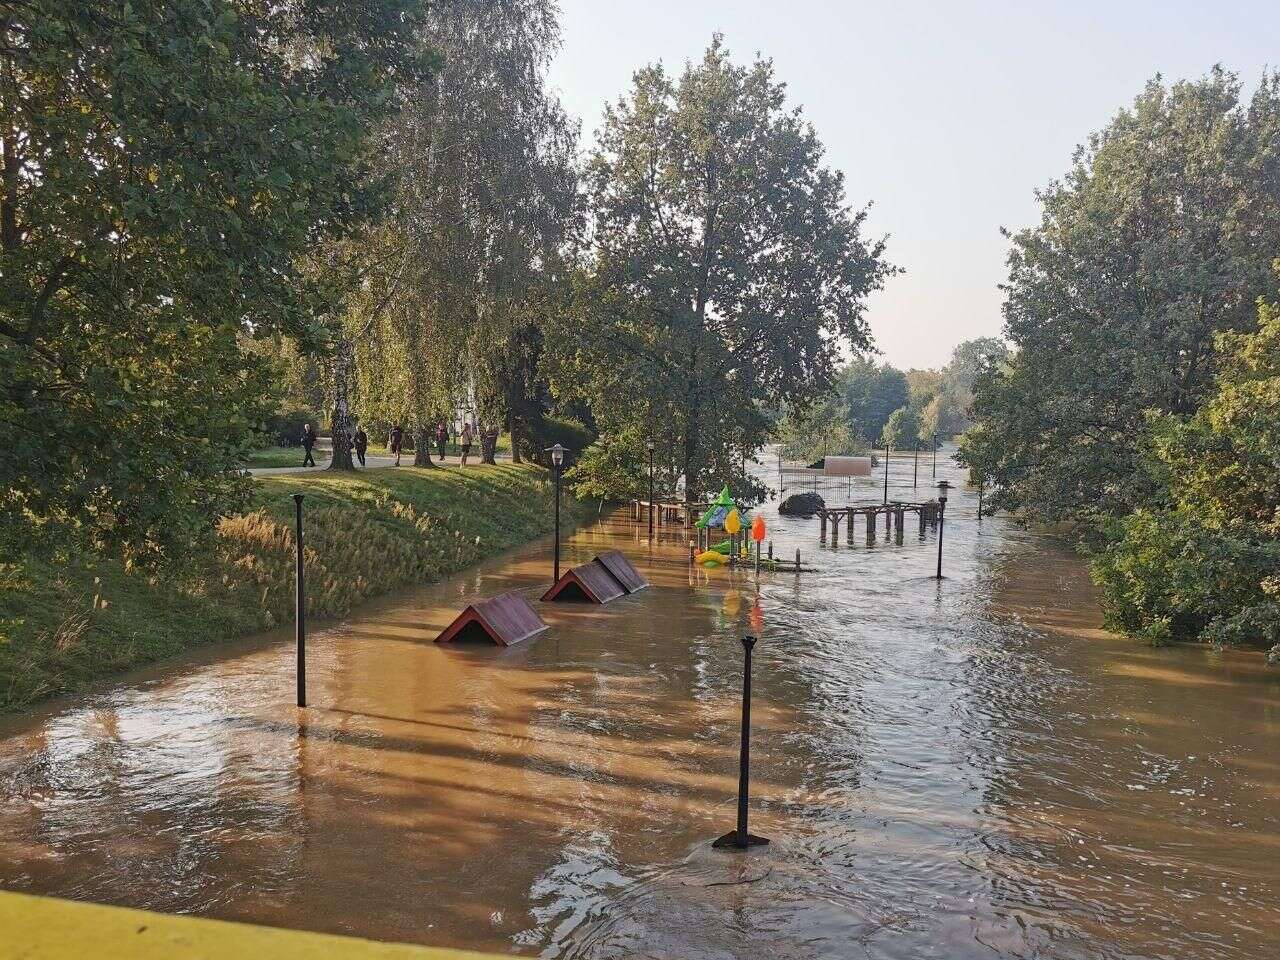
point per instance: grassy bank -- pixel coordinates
(67, 621)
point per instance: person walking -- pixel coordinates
(397, 437)
(465, 439)
(308, 441)
(442, 439)
(361, 442)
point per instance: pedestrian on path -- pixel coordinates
(361, 443)
(442, 439)
(308, 441)
(397, 436)
(466, 438)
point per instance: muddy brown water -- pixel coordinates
(964, 769)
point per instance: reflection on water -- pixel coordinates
(954, 770)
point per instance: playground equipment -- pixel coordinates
(506, 619)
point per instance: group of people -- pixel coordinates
(395, 443)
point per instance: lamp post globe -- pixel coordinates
(557, 461)
(943, 487)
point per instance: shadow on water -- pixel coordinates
(958, 768)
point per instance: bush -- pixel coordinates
(568, 433)
(1166, 577)
(284, 428)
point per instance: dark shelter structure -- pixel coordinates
(506, 619)
(622, 570)
(591, 582)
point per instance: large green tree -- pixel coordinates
(1203, 560)
(872, 392)
(162, 168)
(460, 274)
(725, 270)
(1158, 238)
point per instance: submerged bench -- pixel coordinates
(506, 619)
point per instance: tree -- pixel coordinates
(1204, 561)
(872, 393)
(725, 268)
(473, 250)
(821, 430)
(901, 430)
(1159, 238)
(163, 166)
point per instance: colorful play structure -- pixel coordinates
(723, 513)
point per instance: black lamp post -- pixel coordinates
(935, 454)
(648, 445)
(300, 607)
(557, 462)
(886, 471)
(915, 465)
(943, 487)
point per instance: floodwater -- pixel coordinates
(968, 768)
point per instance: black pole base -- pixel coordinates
(730, 841)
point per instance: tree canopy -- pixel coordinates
(725, 267)
(1203, 560)
(163, 167)
(1158, 239)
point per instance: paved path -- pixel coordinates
(373, 463)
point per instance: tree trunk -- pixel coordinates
(690, 468)
(340, 429)
(422, 447)
(514, 430)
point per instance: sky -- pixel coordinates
(946, 117)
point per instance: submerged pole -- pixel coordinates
(886, 473)
(739, 838)
(300, 605)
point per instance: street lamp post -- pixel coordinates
(915, 465)
(886, 472)
(935, 454)
(648, 445)
(557, 461)
(943, 487)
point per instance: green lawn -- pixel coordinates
(66, 620)
(276, 457)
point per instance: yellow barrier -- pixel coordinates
(42, 928)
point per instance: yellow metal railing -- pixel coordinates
(42, 928)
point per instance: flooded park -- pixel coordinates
(961, 768)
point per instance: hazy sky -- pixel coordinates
(946, 115)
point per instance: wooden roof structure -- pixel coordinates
(506, 619)
(622, 570)
(591, 582)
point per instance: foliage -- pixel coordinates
(725, 271)
(1157, 239)
(460, 275)
(902, 430)
(821, 430)
(1205, 563)
(163, 166)
(871, 394)
(69, 618)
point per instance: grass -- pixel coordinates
(68, 621)
(276, 457)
